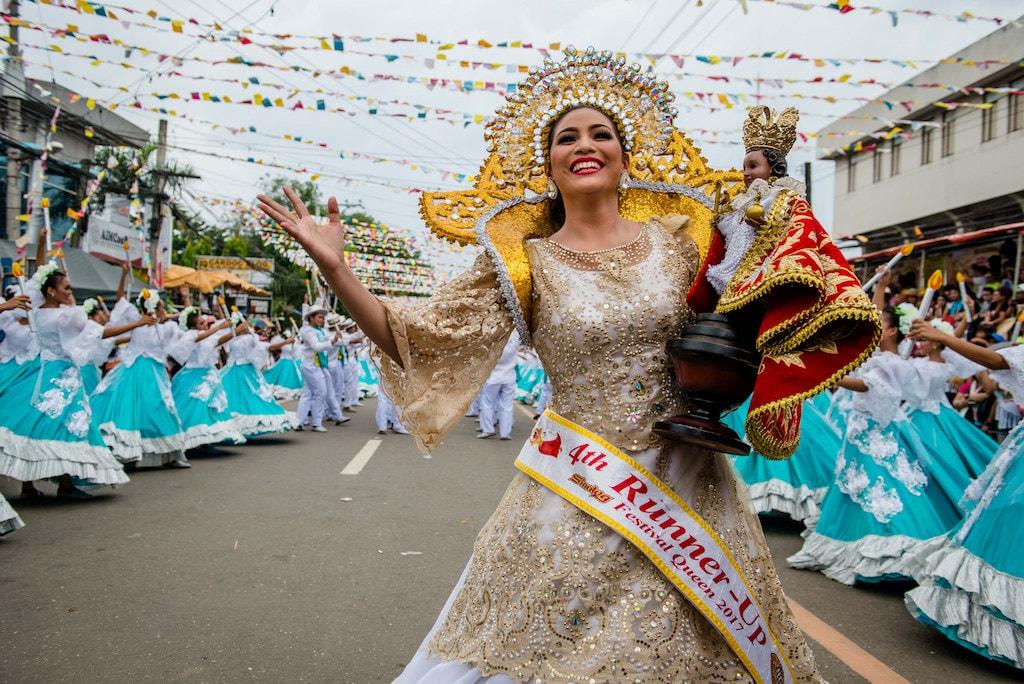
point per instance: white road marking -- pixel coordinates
(359, 461)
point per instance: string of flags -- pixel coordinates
(216, 32)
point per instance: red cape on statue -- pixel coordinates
(817, 325)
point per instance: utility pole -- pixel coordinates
(160, 182)
(14, 78)
(82, 223)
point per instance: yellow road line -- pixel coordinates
(853, 656)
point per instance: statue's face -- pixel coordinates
(755, 165)
(586, 155)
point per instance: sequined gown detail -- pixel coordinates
(550, 594)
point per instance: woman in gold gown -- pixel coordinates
(579, 260)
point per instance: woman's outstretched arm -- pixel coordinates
(325, 244)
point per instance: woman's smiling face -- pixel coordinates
(586, 155)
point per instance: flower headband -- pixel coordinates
(942, 326)
(183, 318)
(907, 314)
(147, 301)
(42, 273)
(89, 305)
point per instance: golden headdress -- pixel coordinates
(508, 203)
(762, 131)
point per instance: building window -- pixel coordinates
(988, 119)
(948, 128)
(894, 157)
(851, 173)
(927, 133)
(876, 166)
(1016, 103)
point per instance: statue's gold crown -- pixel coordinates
(763, 131)
(638, 104)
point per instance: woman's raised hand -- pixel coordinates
(325, 243)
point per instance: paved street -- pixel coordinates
(268, 563)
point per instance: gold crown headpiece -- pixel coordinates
(762, 130)
(639, 105)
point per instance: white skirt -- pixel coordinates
(9, 519)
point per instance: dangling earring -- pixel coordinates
(624, 181)
(552, 190)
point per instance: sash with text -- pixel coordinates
(608, 485)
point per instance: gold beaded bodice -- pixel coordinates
(600, 324)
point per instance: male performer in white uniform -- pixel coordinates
(498, 395)
(316, 379)
(353, 340)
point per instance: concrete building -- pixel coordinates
(26, 108)
(957, 170)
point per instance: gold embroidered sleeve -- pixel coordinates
(448, 344)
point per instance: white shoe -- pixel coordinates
(319, 428)
(299, 428)
(342, 421)
(400, 430)
(179, 463)
(485, 435)
(505, 439)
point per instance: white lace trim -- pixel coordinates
(9, 518)
(251, 425)
(880, 501)
(223, 431)
(282, 393)
(975, 590)
(870, 557)
(799, 503)
(130, 446)
(26, 459)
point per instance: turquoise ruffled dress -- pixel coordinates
(956, 443)
(797, 485)
(199, 397)
(971, 581)
(889, 496)
(250, 399)
(133, 404)
(369, 376)
(284, 377)
(530, 379)
(46, 427)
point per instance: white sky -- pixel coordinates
(655, 26)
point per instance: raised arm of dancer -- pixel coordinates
(325, 244)
(922, 330)
(21, 301)
(118, 330)
(278, 345)
(878, 296)
(126, 270)
(220, 325)
(853, 384)
(41, 248)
